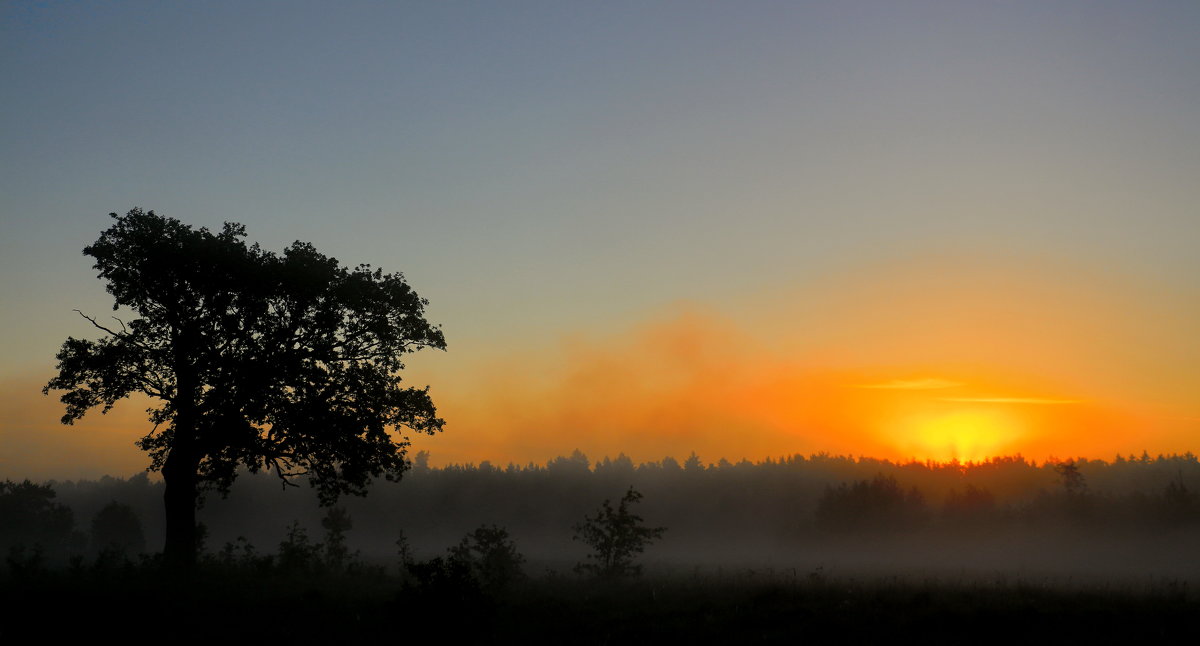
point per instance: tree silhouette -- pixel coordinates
(969, 507)
(336, 523)
(879, 503)
(616, 537)
(1178, 505)
(491, 557)
(288, 362)
(31, 520)
(117, 528)
(1072, 480)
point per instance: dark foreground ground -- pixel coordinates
(142, 605)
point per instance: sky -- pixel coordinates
(927, 230)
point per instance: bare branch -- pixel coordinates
(284, 474)
(123, 335)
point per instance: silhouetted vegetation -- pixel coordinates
(255, 604)
(838, 546)
(117, 528)
(257, 361)
(33, 528)
(1073, 481)
(876, 504)
(616, 538)
(973, 506)
(489, 557)
(723, 512)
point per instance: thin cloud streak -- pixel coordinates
(1012, 400)
(912, 384)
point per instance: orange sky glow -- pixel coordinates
(996, 361)
(941, 360)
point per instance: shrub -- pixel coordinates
(616, 537)
(116, 528)
(490, 556)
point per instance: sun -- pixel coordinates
(963, 435)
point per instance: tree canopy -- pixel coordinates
(257, 360)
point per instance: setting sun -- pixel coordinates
(964, 435)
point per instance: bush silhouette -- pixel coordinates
(298, 554)
(490, 556)
(117, 528)
(31, 523)
(616, 537)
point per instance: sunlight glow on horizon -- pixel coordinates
(968, 435)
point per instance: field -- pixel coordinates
(136, 603)
(824, 550)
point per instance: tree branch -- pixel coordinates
(123, 334)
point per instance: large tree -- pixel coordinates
(286, 362)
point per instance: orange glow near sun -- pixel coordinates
(964, 435)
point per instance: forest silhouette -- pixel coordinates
(772, 503)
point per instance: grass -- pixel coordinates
(242, 606)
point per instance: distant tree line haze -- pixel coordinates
(572, 513)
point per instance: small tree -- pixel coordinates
(616, 537)
(336, 523)
(405, 554)
(116, 528)
(1178, 505)
(490, 556)
(1072, 480)
(30, 520)
(297, 554)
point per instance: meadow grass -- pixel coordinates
(243, 605)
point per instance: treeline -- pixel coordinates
(744, 507)
(36, 530)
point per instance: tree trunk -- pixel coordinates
(179, 500)
(183, 461)
(179, 473)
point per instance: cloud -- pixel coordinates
(667, 385)
(913, 384)
(1013, 400)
